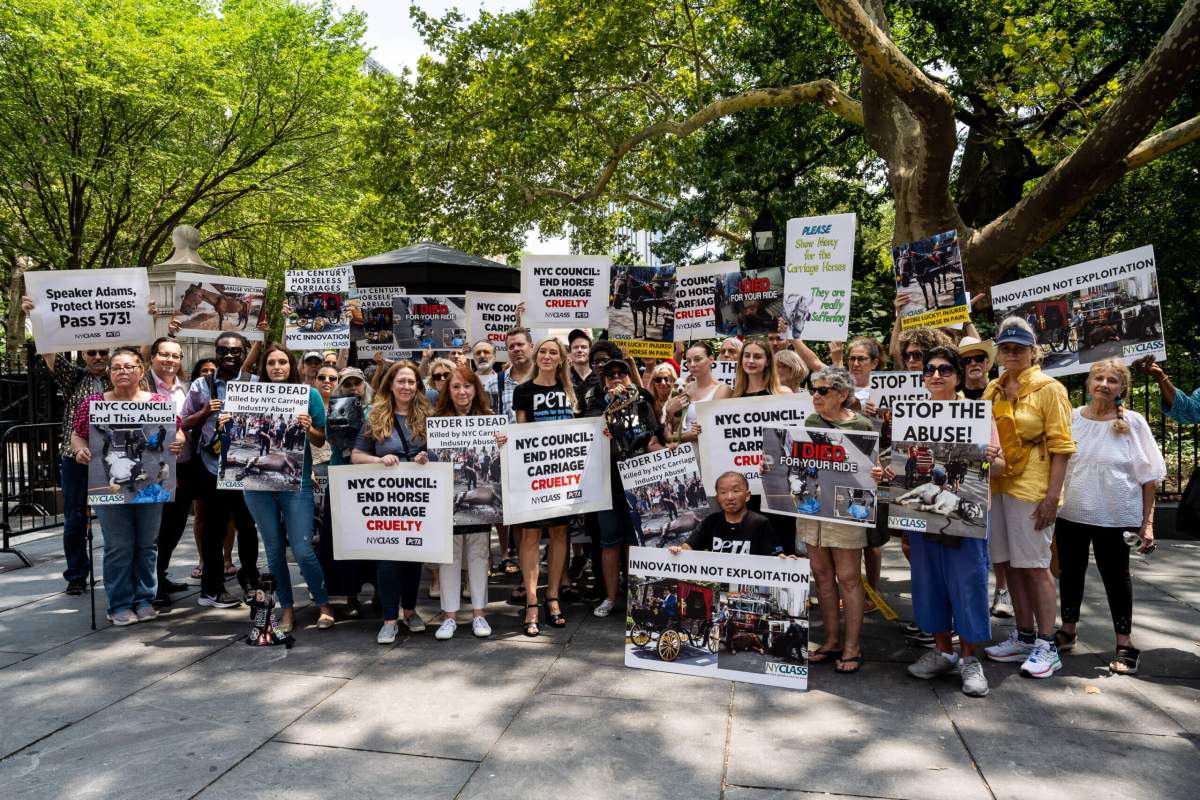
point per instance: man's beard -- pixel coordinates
(484, 365)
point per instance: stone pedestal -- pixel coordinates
(162, 289)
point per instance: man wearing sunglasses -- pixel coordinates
(977, 358)
(201, 410)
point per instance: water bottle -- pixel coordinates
(1131, 538)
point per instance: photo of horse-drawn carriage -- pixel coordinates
(672, 620)
(642, 303)
(317, 312)
(760, 626)
(205, 305)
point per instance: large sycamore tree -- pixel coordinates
(1002, 119)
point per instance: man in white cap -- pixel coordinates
(977, 358)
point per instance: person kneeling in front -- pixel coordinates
(736, 529)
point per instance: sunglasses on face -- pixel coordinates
(441, 376)
(662, 379)
(945, 370)
(95, 353)
(859, 359)
(230, 351)
(823, 390)
(914, 355)
(326, 378)
(976, 359)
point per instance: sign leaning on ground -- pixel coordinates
(81, 308)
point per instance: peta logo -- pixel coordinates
(1142, 347)
(542, 402)
(783, 668)
(413, 541)
(811, 230)
(720, 545)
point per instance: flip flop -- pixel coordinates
(198, 572)
(824, 655)
(230, 570)
(857, 661)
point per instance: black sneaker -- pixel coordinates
(161, 600)
(168, 586)
(223, 600)
(76, 586)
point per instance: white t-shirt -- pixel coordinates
(1106, 473)
(690, 419)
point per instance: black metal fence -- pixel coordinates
(29, 475)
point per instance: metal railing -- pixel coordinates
(29, 477)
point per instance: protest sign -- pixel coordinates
(719, 615)
(664, 495)
(265, 449)
(375, 305)
(392, 513)
(426, 321)
(888, 388)
(724, 371)
(131, 457)
(207, 304)
(938, 452)
(469, 445)
(696, 299)
(732, 438)
(641, 310)
(567, 291)
(81, 308)
(820, 473)
(816, 282)
(929, 274)
(749, 302)
(555, 468)
(1106, 308)
(491, 315)
(318, 316)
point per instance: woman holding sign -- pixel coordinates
(464, 396)
(131, 530)
(1033, 417)
(835, 549)
(289, 513)
(395, 432)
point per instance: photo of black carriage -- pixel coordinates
(669, 614)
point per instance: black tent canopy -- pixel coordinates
(435, 269)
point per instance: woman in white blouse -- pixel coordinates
(1110, 489)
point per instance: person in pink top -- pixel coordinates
(130, 531)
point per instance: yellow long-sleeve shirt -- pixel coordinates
(1042, 412)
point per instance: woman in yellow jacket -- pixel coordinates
(1033, 417)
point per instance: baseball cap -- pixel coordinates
(312, 354)
(578, 333)
(1015, 335)
(614, 368)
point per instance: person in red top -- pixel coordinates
(130, 531)
(920, 460)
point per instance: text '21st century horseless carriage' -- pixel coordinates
(686, 618)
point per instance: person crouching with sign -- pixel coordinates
(395, 432)
(634, 429)
(835, 548)
(950, 573)
(463, 395)
(294, 509)
(131, 530)
(737, 529)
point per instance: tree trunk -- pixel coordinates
(14, 324)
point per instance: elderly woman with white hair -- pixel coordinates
(835, 549)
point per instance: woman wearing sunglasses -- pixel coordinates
(663, 378)
(950, 573)
(439, 373)
(835, 549)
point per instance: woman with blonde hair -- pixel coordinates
(395, 432)
(792, 371)
(1109, 492)
(663, 378)
(756, 375)
(439, 373)
(1033, 417)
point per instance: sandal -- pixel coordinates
(1065, 642)
(531, 628)
(1126, 662)
(557, 620)
(518, 597)
(230, 570)
(819, 656)
(198, 572)
(857, 661)
(509, 566)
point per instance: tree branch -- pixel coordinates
(1162, 143)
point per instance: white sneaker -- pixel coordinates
(1010, 650)
(445, 630)
(974, 682)
(146, 613)
(415, 623)
(605, 608)
(932, 664)
(480, 627)
(122, 618)
(1043, 661)
(1002, 604)
(387, 634)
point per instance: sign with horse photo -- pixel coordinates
(469, 445)
(664, 495)
(929, 277)
(209, 304)
(318, 315)
(266, 441)
(641, 310)
(131, 457)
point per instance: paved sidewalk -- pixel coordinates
(180, 708)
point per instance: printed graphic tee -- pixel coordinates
(542, 403)
(753, 536)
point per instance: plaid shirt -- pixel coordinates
(75, 384)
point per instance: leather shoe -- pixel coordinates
(77, 586)
(168, 586)
(161, 601)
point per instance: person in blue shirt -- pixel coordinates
(1179, 406)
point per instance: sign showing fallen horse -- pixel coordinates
(266, 440)
(469, 445)
(664, 495)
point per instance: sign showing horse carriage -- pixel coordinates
(718, 615)
(641, 310)
(1106, 308)
(263, 442)
(131, 457)
(929, 275)
(669, 616)
(373, 333)
(469, 445)
(318, 313)
(205, 305)
(664, 495)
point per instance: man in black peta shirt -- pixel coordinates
(737, 529)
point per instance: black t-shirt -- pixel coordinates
(973, 394)
(753, 536)
(542, 403)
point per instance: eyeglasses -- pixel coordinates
(663, 379)
(977, 359)
(94, 353)
(823, 390)
(326, 378)
(858, 359)
(230, 351)
(945, 370)
(441, 376)
(124, 367)
(168, 356)
(914, 355)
